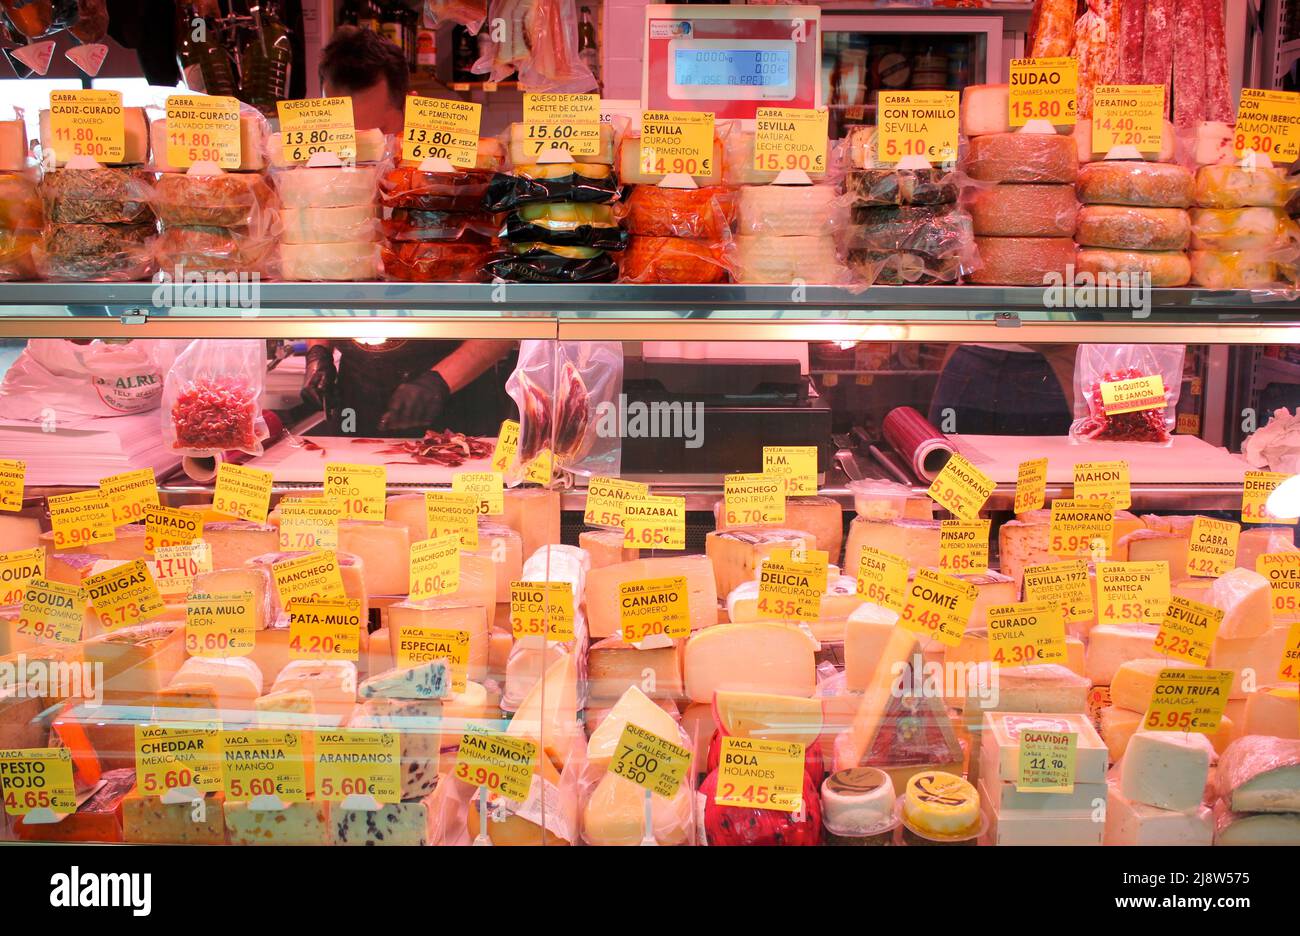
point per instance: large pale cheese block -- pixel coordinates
(900, 647)
(867, 633)
(1135, 681)
(820, 516)
(1247, 603)
(407, 823)
(917, 541)
(342, 225)
(1156, 546)
(614, 814)
(768, 716)
(1002, 797)
(350, 571)
(1132, 823)
(1016, 828)
(534, 513)
(236, 681)
(137, 661)
(384, 548)
(1253, 661)
(444, 614)
(1273, 711)
(549, 713)
(775, 658)
(418, 724)
(605, 547)
(1235, 828)
(234, 581)
(354, 260)
(1259, 773)
(147, 820)
(136, 139)
(271, 651)
(1043, 687)
(18, 533)
(603, 610)
(235, 542)
(633, 708)
(1166, 769)
(300, 824)
(614, 666)
(1112, 645)
(1253, 542)
(332, 684)
(738, 554)
(985, 109)
(1002, 731)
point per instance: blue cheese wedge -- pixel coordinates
(429, 680)
(412, 823)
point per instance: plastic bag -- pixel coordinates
(539, 40)
(1096, 365)
(212, 398)
(532, 653)
(417, 224)
(223, 199)
(563, 389)
(543, 263)
(102, 195)
(551, 182)
(102, 378)
(469, 13)
(789, 210)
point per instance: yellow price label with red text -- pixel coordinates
(313, 577)
(790, 138)
(654, 523)
(1283, 573)
(654, 608)
(1255, 490)
(17, 569)
(1025, 634)
(1082, 528)
(13, 476)
(675, 142)
(938, 606)
(221, 625)
(651, 762)
(175, 758)
(1188, 630)
(1064, 583)
(541, 610)
(882, 578)
(37, 778)
(1136, 393)
(1031, 485)
(1188, 700)
(243, 492)
(170, 526)
(264, 762)
(124, 595)
(1043, 89)
(1103, 481)
(51, 611)
(359, 490)
(961, 488)
(88, 123)
(964, 546)
(414, 645)
(318, 125)
(795, 464)
(1124, 117)
(435, 567)
(758, 774)
(919, 124)
(203, 128)
(174, 567)
(129, 493)
(325, 630)
(506, 449)
(1212, 550)
(1132, 592)
(452, 513)
(81, 519)
(605, 499)
(358, 762)
(752, 499)
(502, 764)
(1268, 124)
(309, 524)
(486, 486)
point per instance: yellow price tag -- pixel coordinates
(1283, 573)
(1255, 489)
(1047, 761)
(1268, 124)
(1132, 592)
(795, 464)
(309, 524)
(441, 129)
(654, 523)
(314, 577)
(1081, 528)
(451, 513)
(964, 546)
(325, 630)
(177, 758)
(1065, 584)
(1188, 700)
(13, 474)
(203, 128)
(220, 625)
(1125, 118)
(487, 488)
(677, 142)
(1043, 89)
(1026, 634)
(1108, 481)
(506, 449)
(88, 123)
(651, 762)
(124, 595)
(264, 762)
(750, 499)
(129, 493)
(541, 610)
(80, 519)
(576, 139)
(435, 567)
(882, 578)
(1031, 485)
(52, 611)
(790, 138)
(1188, 630)
(605, 499)
(358, 762)
(961, 488)
(489, 759)
(318, 125)
(174, 567)
(938, 606)
(1136, 393)
(414, 645)
(654, 608)
(554, 108)
(1212, 550)
(37, 778)
(1289, 669)
(170, 526)
(17, 569)
(541, 468)
(791, 591)
(758, 774)
(243, 492)
(918, 124)
(358, 489)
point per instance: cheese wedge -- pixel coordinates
(549, 713)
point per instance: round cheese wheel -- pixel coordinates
(1166, 267)
(901, 186)
(225, 200)
(1020, 261)
(327, 186)
(1150, 185)
(212, 249)
(1234, 187)
(1024, 210)
(1129, 228)
(1238, 228)
(330, 262)
(767, 259)
(1215, 269)
(348, 223)
(1022, 157)
(786, 210)
(702, 213)
(671, 260)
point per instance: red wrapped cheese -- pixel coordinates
(212, 250)
(418, 224)
(1021, 261)
(1024, 210)
(226, 200)
(436, 261)
(1023, 157)
(406, 186)
(701, 214)
(671, 260)
(1166, 267)
(738, 825)
(1129, 228)
(1142, 184)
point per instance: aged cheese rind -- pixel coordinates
(602, 601)
(774, 658)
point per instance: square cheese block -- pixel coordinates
(840, 599)
(1132, 823)
(738, 554)
(821, 516)
(1001, 795)
(235, 542)
(614, 666)
(1120, 724)
(1135, 681)
(1043, 687)
(1002, 738)
(1112, 645)
(606, 547)
(1014, 828)
(1273, 711)
(332, 684)
(1254, 542)
(917, 541)
(299, 824)
(1247, 603)
(602, 601)
(1258, 773)
(234, 581)
(137, 661)
(549, 713)
(1254, 661)
(271, 651)
(147, 820)
(443, 614)
(775, 658)
(412, 823)
(1167, 769)
(384, 548)
(236, 682)
(1157, 546)
(419, 727)
(19, 533)
(533, 513)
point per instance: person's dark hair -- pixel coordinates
(357, 58)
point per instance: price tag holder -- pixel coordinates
(1136, 393)
(124, 595)
(435, 567)
(80, 519)
(654, 523)
(1064, 584)
(506, 449)
(180, 761)
(170, 526)
(451, 513)
(796, 464)
(751, 499)
(677, 142)
(1047, 761)
(1108, 481)
(221, 625)
(1043, 89)
(265, 766)
(1128, 120)
(129, 493)
(325, 630)
(318, 125)
(917, 124)
(1256, 487)
(314, 577)
(501, 764)
(651, 762)
(1268, 124)
(1289, 669)
(756, 774)
(441, 129)
(37, 783)
(360, 768)
(358, 489)
(174, 567)
(791, 591)
(964, 546)
(309, 524)
(1188, 700)
(938, 606)
(1188, 630)
(882, 578)
(416, 645)
(1026, 634)
(654, 608)
(961, 488)
(13, 474)
(52, 611)
(203, 128)
(1132, 592)
(1283, 573)
(541, 611)
(243, 492)
(790, 138)
(1213, 547)
(88, 123)
(605, 499)
(1031, 485)
(486, 486)
(1082, 528)
(17, 570)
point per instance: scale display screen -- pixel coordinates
(753, 68)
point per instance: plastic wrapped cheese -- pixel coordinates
(901, 186)
(545, 263)
(16, 261)
(1166, 267)
(96, 252)
(135, 139)
(1129, 228)
(213, 249)
(786, 210)
(699, 213)
(1212, 144)
(630, 170)
(416, 224)
(1238, 228)
(770, 259)
(1083, 141)
(97, 196)
(566, 224)
(1235, 187)
(1232, 269)
(551, 182)
(223, 199)
(1021, 261)
(435, 261)
(407, 186)
(330, 262)
(13, 145)
(1148, 185)
(910, 245)
(985, 109)
(340, 225)
(1022, 157)
(1024, 210)
(327, 186)
(672, 260)
(20, 203)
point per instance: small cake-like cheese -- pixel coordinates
(941, 804)
(857, 801)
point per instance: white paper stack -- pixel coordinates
(83, 449)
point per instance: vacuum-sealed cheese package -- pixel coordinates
(706, 213)
(551, 182)
(673, 260)
(545, 263)
(566, 224)
(436, 261)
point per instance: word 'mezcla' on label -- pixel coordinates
(1188, 700)
(1066, 584)
(790, 138)
(1043, 89)
(80, 519)
(1256, 488)
(242, 492)
(961, 488)
(920, 124)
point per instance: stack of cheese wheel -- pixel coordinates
(1241, 231)
(435, 228)
(98, 221)
(906, 226)
(1134, 220)
(678, 235)
(786, 233)
(329, 221)
(215, 221)
(21, 215)
(1024, 214)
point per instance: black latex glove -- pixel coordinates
(416, 403)
(319, 378)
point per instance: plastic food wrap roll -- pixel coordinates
(1023, 157)
(769, 259)
(1140, 184)
(1024, 210)
(1020, 261)
(1215, 269)
(700, 214)
(1167, 268)
(671, 260)
(786, 210)
(1238, 228)
(435, 261)
(1128, 228)
(915, 438)
(1233, 187)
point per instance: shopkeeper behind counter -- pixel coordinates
(1005, 389)
(361, 64)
